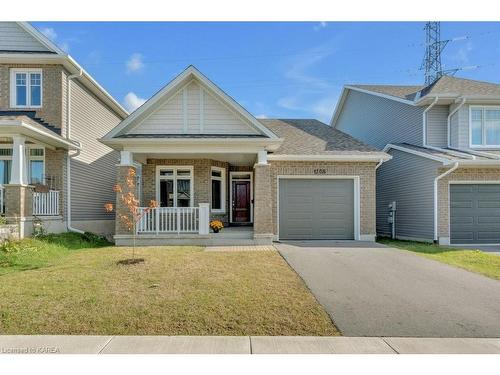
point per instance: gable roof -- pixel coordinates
(188, 75)
(445, 86)
(312, 137)
(35, 48)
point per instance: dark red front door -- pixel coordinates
(241, 201)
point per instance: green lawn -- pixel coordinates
(68, 285)
(469, 259)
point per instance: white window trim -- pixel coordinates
(222, 179)
(174, 178)
(13, 95)
(483, 137)
(33, 158)
(236, 173)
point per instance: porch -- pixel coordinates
(191, 191)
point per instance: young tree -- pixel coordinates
(132, 215)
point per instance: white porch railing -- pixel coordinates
(174, 220)
(46, 204)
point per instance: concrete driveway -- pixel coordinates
(373, 290)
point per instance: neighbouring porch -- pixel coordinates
(191, 191)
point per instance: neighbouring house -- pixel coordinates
(52, 112)
(202, 156)
(444, 139)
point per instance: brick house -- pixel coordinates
(52, 112)
(202, 156)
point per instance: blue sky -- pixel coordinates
(275, 70)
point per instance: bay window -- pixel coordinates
(485, 126)
(175, 186)
(26, 88)
(218, 189)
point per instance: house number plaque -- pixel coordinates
(320, 171)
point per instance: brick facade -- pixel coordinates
(120, 208)
(18, 202)
(53, 87)
(461, 174)
(263, 217)
(365, 171)
(201, 181)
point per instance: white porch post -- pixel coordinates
(126, 158)
(204, 219)
(18, 175)
(262, 157)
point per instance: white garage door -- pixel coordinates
(316, 209)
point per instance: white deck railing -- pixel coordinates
(174, 220)
(46, 204)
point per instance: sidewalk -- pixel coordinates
(243, 345)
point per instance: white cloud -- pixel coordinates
(49, 32)
(312, 97)
(320, 26)
(262, 116)
(132, 101)
(135, 63)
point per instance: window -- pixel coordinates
(218, 189)
(5, 165)
(26, 88)
(36, 166)
(175, 186)
(485, 126)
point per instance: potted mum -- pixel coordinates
(216, 225)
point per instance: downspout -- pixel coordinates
(68, 159)
(455, 166)
(449, 119)
(379, 163)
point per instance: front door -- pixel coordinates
(241, 201)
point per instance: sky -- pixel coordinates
(274, 70)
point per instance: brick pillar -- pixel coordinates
(18, 200)
(120, 208)
(262, 209)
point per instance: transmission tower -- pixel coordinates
(433, 48)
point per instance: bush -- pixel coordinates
(3, 220)
(14, 247)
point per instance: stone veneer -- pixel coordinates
(461, 174)
(365, 171)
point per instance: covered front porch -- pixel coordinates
(32, 162)
(193, 189)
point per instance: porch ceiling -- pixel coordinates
(237, 159)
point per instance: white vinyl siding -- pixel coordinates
(192, 110)
(93, 171)
(14, 38)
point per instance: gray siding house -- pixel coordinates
(444, 139)
(53, 169)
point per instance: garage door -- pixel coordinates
(474, 213)
(312, 209)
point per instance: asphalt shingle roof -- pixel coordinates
(444, 85)
(312, 137)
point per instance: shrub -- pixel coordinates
(3, 220)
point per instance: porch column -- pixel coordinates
(126, 171)
(262, 215)
(18, 197)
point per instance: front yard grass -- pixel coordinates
(177, 291)
(471, 260)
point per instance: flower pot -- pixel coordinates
(216, 230)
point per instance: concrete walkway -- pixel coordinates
(373, 290)
(243, 345)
